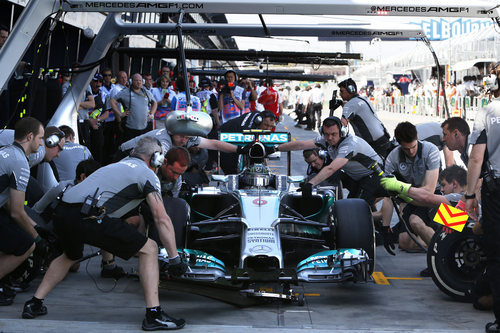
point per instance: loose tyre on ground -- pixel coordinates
(455, 260)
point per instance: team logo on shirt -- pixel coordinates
(403, 166)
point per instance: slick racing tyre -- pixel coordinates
(455, 260)
(354, 227)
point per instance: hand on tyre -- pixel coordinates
(391, 184)
(306, 189)
(245, 149)
(387, 237)
(270, 150)
(176, 267)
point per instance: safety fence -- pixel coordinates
(465, 107)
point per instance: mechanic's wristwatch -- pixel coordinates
(472, 196)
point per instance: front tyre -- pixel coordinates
(354, 227)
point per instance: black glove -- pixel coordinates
(176, 267)
(45, 233)
(306, 189)
(387, 237)
(270, 150)
(41, 248)
(245, 149)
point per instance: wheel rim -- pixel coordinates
(465, 259)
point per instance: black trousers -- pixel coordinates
(97, 143)
(367, 188)
(491, 241)
(316, 114)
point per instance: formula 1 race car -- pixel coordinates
(255, 231)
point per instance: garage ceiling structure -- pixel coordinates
(36, 12)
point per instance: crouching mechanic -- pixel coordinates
(316, 160)
(90, 213)
(453, 181)
(17, 232)
(413, 161)
(348, 152)
(169, 140)
(177, 161)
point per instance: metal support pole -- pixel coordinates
(183, 60)
(440, 78)
(66, 112)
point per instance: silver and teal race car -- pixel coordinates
(255, 231)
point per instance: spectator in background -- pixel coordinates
(4, 33)
(208, 100)
(96, 117)
(163, 96)
(270, 99)
(317, 99)
(164, 71)
(137, 101)
(179, 102)
(230, 98)
(148, 81)
(249, 94)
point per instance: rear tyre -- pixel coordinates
(455, 260)
(354, 227)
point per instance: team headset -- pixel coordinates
(54, 139)
(157, 158)
(344, 130)
(350, 86)
(263, 114)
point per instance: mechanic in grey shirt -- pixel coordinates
(46, 175)
(348, 152)
(168, 140)
(432, 132)
(456, 136)
(484, 160)
(359, 112)
(140, 106)
(72, 154)
(415, 162)
(116, 189)
(84, 169)
(17, 232)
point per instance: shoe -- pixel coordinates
(32, 310)
(425, 272)
(493, 327)
(7, 290)
(162, 322)
(115, 273)
(18, 287)
(5, 299)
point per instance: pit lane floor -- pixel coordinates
(405, 303)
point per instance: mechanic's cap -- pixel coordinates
(97, 77)
(205, 82)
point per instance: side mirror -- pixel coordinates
(220, 178)
(296, 179)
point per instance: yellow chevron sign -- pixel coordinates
(451, 217)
